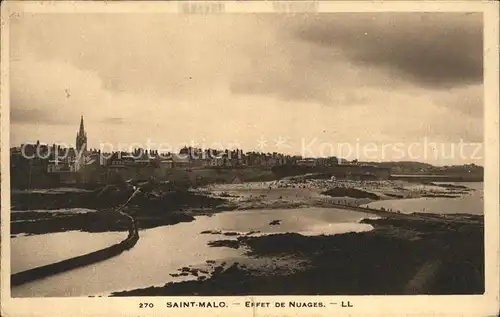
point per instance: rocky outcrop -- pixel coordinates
(350, 192)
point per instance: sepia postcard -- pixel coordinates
(253, 158)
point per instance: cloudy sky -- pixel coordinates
(287, 83)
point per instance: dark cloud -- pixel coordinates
(295, 70)
(436, 50)
(466, 101)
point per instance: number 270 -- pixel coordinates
(146, 305)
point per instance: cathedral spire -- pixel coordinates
(82, 128)
(81, 137)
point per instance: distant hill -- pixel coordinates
(401, 164)
(410, 167)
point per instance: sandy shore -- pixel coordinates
(302, 192)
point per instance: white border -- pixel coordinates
(478, 305)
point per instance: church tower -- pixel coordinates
(81, 138)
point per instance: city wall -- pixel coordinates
(204, 175)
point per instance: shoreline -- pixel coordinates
(297, 192)
(391, 229)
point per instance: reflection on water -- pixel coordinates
(317, 220)
(28, 252)
(161, 251)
